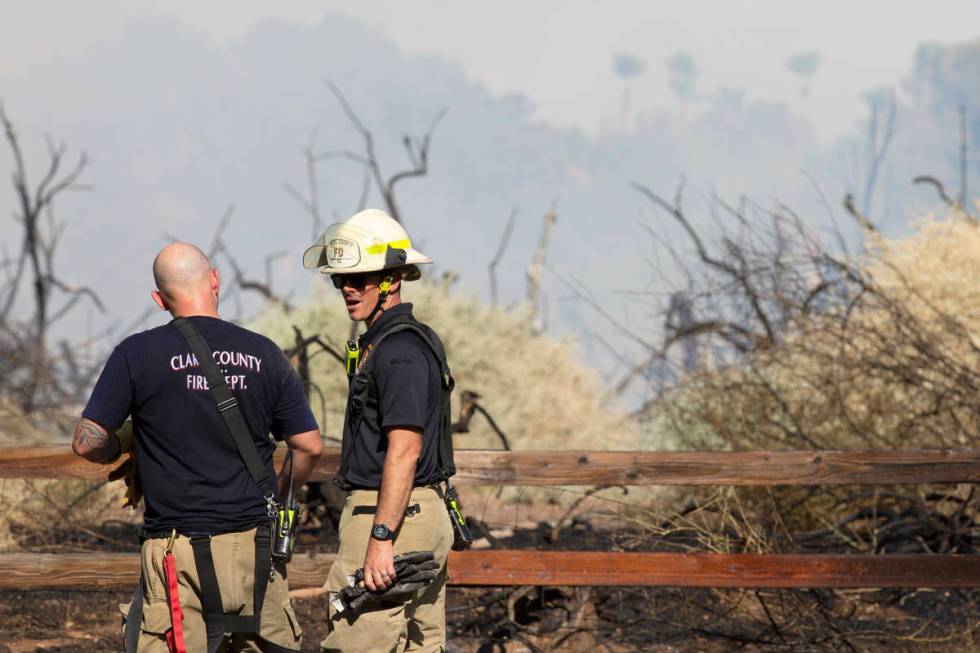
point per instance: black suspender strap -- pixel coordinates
(360, 385)
(227, 406)
(437, 351)
(216, 620)
(211, 605)
(263, 570)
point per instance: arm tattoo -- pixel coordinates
(94, 443)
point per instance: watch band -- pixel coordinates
(382, 532)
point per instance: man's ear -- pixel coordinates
(159, 299)
(396, 284)
(215, 280)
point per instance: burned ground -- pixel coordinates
(533, 619)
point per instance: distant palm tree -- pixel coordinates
(804, 65)
(627, 67)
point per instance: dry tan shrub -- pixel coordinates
(879, 353)
(935, 271)
(11, 497)
(56, 515)
(533, 386)
(38, 514)
(16, 428)
(891, 363)
(20, 428)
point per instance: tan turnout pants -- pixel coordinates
(234, 562)
(418, 624)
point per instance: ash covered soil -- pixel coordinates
(533, 619)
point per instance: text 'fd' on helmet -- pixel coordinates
(369, 241)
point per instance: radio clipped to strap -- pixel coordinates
(286, 521)
(462, 537)
(353, 358)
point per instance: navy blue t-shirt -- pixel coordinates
(192, 475)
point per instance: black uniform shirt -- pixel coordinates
(405, 391)
(193, 477)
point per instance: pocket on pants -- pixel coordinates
(123, 615)
(152, 571)
(293, 621)
(280, 627)
(156, 619)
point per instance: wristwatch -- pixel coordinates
(382, 532)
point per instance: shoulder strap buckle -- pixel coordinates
(227, 404)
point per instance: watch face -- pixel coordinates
(381, 532)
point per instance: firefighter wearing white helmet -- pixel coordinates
(396, 454)
(367, 242)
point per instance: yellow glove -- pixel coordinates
(127, 470)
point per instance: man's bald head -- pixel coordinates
(181, 271)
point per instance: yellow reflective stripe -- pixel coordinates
(396, 244)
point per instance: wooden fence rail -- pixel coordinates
(498, 567)
(558, 568)
(613, 467)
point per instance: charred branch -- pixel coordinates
(938, 185)
(310, 203)
(536, 269)
(264, 288)
(858, 216)
(469, 406)
(504, 240)
(416, 149)
(41, 238)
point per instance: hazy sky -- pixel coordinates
(187, 107)
(559, 54)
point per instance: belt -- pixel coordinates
(410, 511)
(147, 534)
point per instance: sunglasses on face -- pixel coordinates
(355, 281)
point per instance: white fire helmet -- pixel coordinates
(370, 241)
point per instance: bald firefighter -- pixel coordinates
(204, 395)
